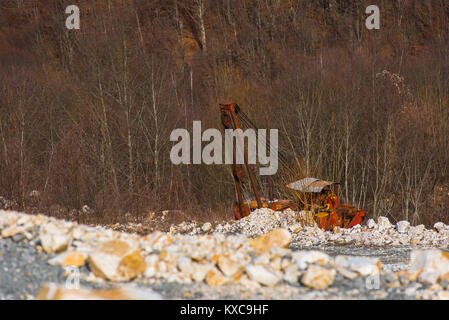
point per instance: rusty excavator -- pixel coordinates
(316, 196)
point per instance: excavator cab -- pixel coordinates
(321, 197)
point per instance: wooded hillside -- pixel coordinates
(86, 115)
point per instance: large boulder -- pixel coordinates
(54, 238)
(276, 238)
(69, 259)
(228, 266)
(403, 226)
(429, 265)
(262, 275)
(364, 266)
(116, 260)
(215, 278)
(383, 223)
(317, 277)
(303, 258)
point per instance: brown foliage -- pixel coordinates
(86, 115)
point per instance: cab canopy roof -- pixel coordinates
(310, 185)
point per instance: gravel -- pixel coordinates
(392, 258)
(23, 270)
(24, 266)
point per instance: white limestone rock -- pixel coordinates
(362, 265)
(383, 223)
(261, 274)
(371, 224)
(403, 226)
(317, 277)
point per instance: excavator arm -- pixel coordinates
(317, 195)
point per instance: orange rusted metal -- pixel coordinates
(229, 111)
(325, 205)
(317, 195)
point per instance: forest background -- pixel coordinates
(86, 115)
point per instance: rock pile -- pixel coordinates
(264, 220)
(228, 255)
(305, 232)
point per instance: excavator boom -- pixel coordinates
(314, 195)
